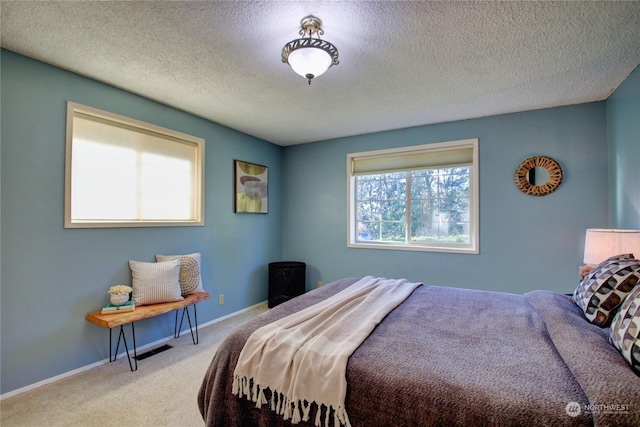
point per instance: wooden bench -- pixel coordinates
(145, 312)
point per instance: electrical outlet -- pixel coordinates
(319, 283)
(220, 299)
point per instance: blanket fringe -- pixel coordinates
(318, 422)
(306, 409)
(295, 410)
(261, 399)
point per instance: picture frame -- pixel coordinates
(251, 188)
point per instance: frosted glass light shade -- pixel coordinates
(601, 244)
(309, 62)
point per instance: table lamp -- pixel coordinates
(601, 244)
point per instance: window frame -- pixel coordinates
(473, 247)
(141, 127)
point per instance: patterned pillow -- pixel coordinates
(579, 295)
(614, 259)
(601, 293)
(155, 282)
(190, 277)
(625, 329)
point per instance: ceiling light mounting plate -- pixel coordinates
(310, 25)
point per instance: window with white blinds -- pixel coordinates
(422, 198)
(121, 172)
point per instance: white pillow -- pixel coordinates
(190, 276)
(155, 282)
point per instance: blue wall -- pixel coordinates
(525, 242)
(623, 128)
(52, 277)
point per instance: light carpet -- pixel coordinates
(162, 392)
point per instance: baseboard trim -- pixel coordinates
(122, 354)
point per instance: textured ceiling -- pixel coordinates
(402, 64)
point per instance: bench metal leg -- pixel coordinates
(176, 333)
(121, 336)
(177, 330)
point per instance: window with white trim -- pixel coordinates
(121, 172)
(421, 198)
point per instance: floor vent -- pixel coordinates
(153, 352)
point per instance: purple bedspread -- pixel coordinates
(458, 357)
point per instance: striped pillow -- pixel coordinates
(155, 282)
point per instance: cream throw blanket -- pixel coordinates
(302, 358)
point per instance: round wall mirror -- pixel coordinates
(538, 176)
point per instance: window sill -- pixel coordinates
(416, 248)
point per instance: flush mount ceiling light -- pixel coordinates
(310, 57)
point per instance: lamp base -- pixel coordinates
(584, 270)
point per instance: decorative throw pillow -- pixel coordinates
(155, 282)
(579, 293)
(625, 329)
(601, 293)
(190, 277)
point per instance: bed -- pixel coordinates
(457, 357)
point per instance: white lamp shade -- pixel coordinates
(309, 61)
(601, 244)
